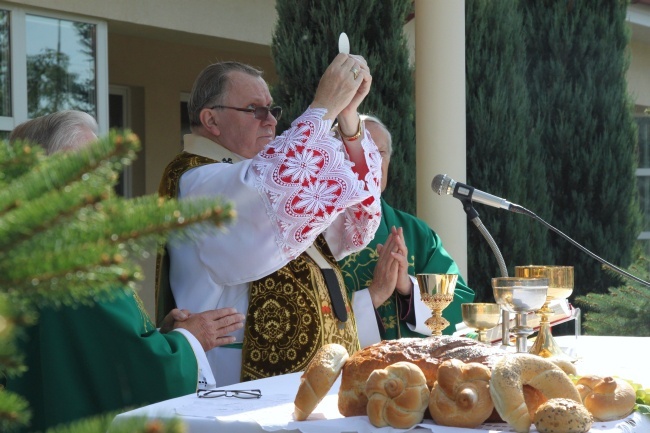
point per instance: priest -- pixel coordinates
(403, 247)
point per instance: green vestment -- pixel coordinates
(425, 254)
(89, 360)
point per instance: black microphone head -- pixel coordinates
(440, 183)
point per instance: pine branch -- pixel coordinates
(65, 239)
(63, 168)
(37, 215)
(100, 237)
(103, 424)
(14, 412)
(622, 311)
(16, 159)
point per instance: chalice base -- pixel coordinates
(545, 345)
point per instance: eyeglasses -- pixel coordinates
(260, 113)
(215, 393)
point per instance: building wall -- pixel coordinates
(214, 18)
(638, 76)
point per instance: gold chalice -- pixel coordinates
(481, 317)
(520, 296)
(437, 292)
(560, 286)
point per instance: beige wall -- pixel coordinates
(639, 73)
(214, 18)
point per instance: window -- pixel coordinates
(5, 65)
(51, 62)
(60, 66)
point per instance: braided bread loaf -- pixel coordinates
(426, 353)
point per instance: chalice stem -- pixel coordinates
(545, 345)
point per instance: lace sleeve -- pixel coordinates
(306, 182)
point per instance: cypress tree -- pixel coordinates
(576, 76)
(503, 154)
(305, 41)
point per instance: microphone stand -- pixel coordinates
(474, 218)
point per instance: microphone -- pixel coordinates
(467, 194)
(444, 184)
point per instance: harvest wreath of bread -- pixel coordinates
(318, 378)
(426, 353)
(397, 396)
(512, 373)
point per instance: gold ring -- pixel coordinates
(355, 72)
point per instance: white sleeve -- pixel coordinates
(284, 198)
(205, 376)
(422, 312)
(365, 316)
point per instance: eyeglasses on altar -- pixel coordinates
(235, 393)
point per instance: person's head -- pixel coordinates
(382, 138)
(238, 86)
(61, 131)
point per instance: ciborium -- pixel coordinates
(560, 286)
(437, 292)
(520, 296)
(482, 317)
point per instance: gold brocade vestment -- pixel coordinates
(290, 313)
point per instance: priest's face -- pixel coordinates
(239, 131)
(382, 140)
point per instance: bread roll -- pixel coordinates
(318, 378)
(426, 353)
(567, 366)
(461, 395)
(512, 373)
(561, 415)
(397, 396)
(606, 398)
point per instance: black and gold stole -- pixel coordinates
(290, 313)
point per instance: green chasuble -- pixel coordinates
(89, 360)
(425, 255)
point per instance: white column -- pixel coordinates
(440, 117)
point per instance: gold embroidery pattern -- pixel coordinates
(289, 318)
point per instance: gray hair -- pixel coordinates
(57, 131)
(370, 118)
(211, 85)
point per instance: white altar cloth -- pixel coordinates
(614, 356)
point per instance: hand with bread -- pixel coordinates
(461, 395)
(318, 378)
(397, 396)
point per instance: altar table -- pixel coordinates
(625, 357)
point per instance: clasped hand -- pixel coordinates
(391, 270)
